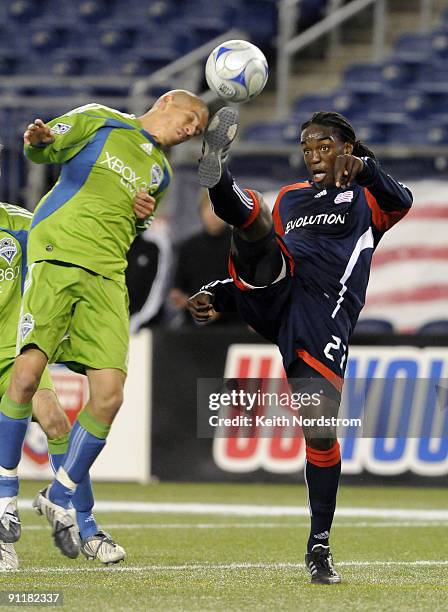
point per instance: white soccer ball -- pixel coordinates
(236, 71)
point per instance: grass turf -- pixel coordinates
(213, 562)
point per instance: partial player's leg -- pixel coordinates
(322, 467)
(87, 439)
(54, 422)
(257, 256)
(15, 414)
(43, 322)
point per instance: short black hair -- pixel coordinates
(344, 129)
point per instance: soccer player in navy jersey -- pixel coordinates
(299, 277)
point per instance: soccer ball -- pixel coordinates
(236, 71)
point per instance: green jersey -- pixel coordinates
(14, 226)
(87, 219)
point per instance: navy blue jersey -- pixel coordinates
(329, 236)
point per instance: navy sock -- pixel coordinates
(232, 204)
(322, 482)
(82, 500)
(82, 451)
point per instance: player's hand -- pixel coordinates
(200, 306)
(144, 204)
(38, 133)
(346, 168)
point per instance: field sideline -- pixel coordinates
(240, 547)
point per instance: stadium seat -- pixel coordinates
(415, 47)
(439, 43)
(417, 133)
(433, 77)
(259, 18)
(364, 78)
(374, 326)
(273, 132)
(21, 10)
(310, 11)
(398, 73)
(92, 11)
(434, 328)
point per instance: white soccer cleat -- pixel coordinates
(102, 547)
(8, 557)
(64, 528)
(218, 136)
(10, 526)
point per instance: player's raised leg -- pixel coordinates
(85, 533)
(257, 257)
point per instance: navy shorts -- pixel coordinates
(298, 318)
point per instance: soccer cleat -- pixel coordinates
(320, 565)
(101, 546)
(63, 524)
(8, 557)
(10, 526)
(218, 136)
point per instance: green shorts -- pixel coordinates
(75, 317)
(6, 363)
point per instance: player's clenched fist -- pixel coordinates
(200, 306)
(346, 168)
(144, 204)
(38, 133)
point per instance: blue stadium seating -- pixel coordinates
(374, 326)
(274, 131)
(435, 328)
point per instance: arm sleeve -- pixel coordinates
(71, 133)
(388, 199)
(224, 295)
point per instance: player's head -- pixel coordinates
(176, 116)
(325, 136)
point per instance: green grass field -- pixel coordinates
(196, 558)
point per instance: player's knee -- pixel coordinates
(261, 225)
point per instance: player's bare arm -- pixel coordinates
(346, 169)
(38, 133)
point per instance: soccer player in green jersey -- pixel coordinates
(75, 304)
(14, 227)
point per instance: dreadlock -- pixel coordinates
(344, 130)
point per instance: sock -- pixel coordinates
(87, 440)
(322, 471)
(14, 419)
(82, 500)
(232, 204)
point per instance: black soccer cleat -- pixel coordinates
(218, 136)
(10, 526)
(319, 563)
